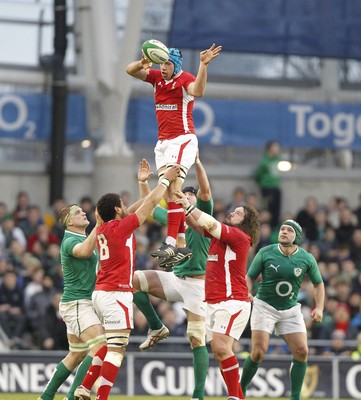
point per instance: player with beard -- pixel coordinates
(275, 308)
(226, 293)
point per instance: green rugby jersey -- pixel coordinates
(199, 244)
(79, 273)
(282, 275)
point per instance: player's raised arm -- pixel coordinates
(204, 192)
(198, 87)
(139, 69)
(156, 194)
(197, 219)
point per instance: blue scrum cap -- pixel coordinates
(175, 56)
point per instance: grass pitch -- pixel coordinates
(27, 396)
(30, 396)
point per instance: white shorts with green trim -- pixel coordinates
(78, 315)
(188, 290)
(281, 322)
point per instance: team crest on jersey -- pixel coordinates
(298, 271)
(173, 85)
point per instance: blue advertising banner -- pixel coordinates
(28, 116)
(319, 28)
(253, 123)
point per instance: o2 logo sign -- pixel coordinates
(14, 117)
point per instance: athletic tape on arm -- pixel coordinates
(206, 221)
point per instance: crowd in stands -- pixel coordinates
(31, 276)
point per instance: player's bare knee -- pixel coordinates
(196, 333)
(74, 358)
(96, 343)
(301, 353)
(258, 353)
(220, 350)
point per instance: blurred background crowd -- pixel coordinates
(31, 278)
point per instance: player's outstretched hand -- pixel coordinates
(208, 55)
(181, 199)
(172, 173)
(147, 64)
(144, 172)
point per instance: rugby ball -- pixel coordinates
(155, 51)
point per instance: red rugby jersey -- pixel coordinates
(227, 266)
(116, 244)
(173, 104)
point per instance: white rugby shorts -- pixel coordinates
(267, 319)
(78, 315)
(181, 150)
(115, 309)
(227, 317)
(187, 290)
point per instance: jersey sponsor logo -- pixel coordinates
(166, 107)
(274, 267)
(212, 257)
(297, 271)
(123, 286)
(109, 321)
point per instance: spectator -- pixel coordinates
(43, 237)
(12, 318)
(35, 284)
(267, 177)
(335, 206)
(357, 211)
(22, 207)
(238, 199)
(52, 328)
(306, 217)
(338, 347)
(38, 304)
(347, 226)
(15, 255)
(328, 244)
(3, 210)
(9, 232)
(52, 218)
(30, 224)
(355, 248)
(125, 197)
(88, 206)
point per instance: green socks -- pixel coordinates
(79, 376)
(141, 300)
(297, 375)
(60, 375)
(249, 371)
(200, 365)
